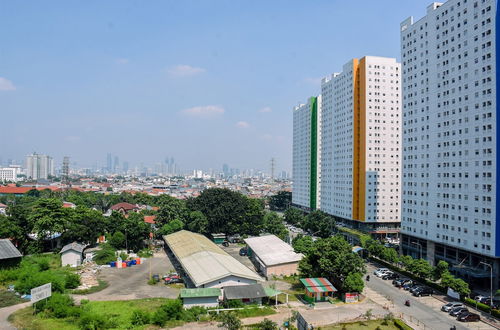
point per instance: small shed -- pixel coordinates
(248, 294)
(9, 254)
(72, 254)
(317, 288)
(203, 297)
(219, 238)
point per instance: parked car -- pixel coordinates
(243, 252)
(423, 291)
(234, 239)
(468, 317)
(401, 282)
(458, 310)
(389, 276)
(415, 287)
(449, 306)
(380, 270)
(409, 285)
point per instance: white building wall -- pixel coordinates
(9, 174)
(229, 281)
(71, 258)
(449, 127)
(206, 302)
(39, 166)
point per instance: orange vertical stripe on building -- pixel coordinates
(359, 136)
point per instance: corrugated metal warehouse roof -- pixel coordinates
(8, 250)
(203, 260)
(200, 292)
(272, 250)
(251, 291)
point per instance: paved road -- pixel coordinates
(424, 309)
(6, 311)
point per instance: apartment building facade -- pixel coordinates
(450, 137)
(306, 167)
(39, 166)
(361, 145)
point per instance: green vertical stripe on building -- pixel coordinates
(314, 152)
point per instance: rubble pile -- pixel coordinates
(88, 276)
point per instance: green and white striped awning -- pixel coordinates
(318, 284)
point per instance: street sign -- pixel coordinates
(41, 292)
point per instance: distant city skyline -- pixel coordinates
(210, 82)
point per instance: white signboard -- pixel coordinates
(452, 293)
(41, 292)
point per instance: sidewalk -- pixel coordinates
(6, 311)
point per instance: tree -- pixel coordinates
(353, 283)
(389, 254)
(331, 258)
(319, 223)
(171, 227)
(135, 230)
(229, 212)
(439, 270)
(198, 223)
(83, 225)
(47, 217)
(294, 216)
(117, 240)
(302, 244)
(267, 324)
(171, 209)
(229, 321)
(421, 268)
(273, 224)
(281, 201)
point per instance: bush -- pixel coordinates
(92, 321)
(481, 306)
(105, 256)
(193, 314)
(233, 304)
(140, 317)
(28, 280)
(172, 310)
(72, 281)
(401, 325)
(58, 306)
(145, 253)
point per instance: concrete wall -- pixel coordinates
(200, 301)
(71, 258)
(229, 281)
(282, 269)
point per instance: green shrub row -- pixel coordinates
(401, 325)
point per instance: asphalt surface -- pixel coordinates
(431, 317)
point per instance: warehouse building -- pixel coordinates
(202, 297)
(206, 264)
(272, 256)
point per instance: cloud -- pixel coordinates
(242, 124)
(204, 111)
(313, 81)
(184, 70)
(265, 110)
(122, 61)
(6, 85)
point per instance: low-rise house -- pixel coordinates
(317, 289)
(72, 254)
(125, 208)
(9, 254)
(248, 294)
(272, 256)
(202, 297)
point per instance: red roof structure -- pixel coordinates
(150, 219)
(124, 208)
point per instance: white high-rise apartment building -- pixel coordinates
(9, 174)
(361, 144)
(450, 136)
(307, 154)
(39, 166)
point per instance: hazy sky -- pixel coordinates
(208, 82)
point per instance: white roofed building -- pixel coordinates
(206, 264)
(272, 256)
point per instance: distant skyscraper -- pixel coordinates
(225, 170)
(39, 166)
(125, 167)
(116, 165)
(109, 162)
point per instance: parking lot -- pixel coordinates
(132, 282)
(425, 310)
(234, 251)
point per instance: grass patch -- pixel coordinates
(8, 298)
(365, 325)
(176, 285)
(101, 286)
(254, 311)
(118, 312)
